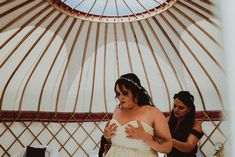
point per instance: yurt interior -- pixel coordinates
(59, 60)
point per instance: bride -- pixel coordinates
(138, 128)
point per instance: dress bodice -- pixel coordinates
(125, 147)
(120, 138)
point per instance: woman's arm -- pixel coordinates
(162, 141)
(191, 142)
(103, 144)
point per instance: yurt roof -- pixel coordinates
(70, 64)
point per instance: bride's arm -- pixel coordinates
(162, 141)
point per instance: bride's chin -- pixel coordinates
(123, 106)
(129, 107)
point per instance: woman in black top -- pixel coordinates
(104, 146)
(185, 130)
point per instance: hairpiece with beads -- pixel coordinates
(131, 81)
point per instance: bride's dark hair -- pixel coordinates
(132, 82)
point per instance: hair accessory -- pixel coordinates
(131, 81)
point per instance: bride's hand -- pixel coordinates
(136, 132)
(109, 130)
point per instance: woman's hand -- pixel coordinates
(136, 132)
(109, 130)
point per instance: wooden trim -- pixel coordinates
(9, 116)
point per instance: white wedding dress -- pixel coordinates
(125, 147)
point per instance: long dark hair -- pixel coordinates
(187, 123)
(132, 82)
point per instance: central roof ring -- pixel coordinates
(112, 11)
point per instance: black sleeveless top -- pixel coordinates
(102, 145)
(179, 135)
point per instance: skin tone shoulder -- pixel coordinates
(128, 110)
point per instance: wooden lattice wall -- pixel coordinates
(79, 134)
